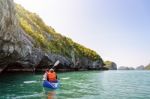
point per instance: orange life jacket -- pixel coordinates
(51, 76)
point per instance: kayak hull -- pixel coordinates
(50, 85)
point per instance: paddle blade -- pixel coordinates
(56, 63)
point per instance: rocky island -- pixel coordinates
(28, 44)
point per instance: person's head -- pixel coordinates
(51, 70)
(46, 70)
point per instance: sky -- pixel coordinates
(118, 30)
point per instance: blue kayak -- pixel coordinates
(51, 85)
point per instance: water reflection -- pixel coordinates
(51, 94)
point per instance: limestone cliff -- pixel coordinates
(27, 43)
(15, 45)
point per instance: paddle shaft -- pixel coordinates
(56, 63)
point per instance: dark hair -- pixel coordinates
(46, 70)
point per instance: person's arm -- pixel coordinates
(44, 76)
(47, 77)
(56, 76)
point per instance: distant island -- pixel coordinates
(141, 67)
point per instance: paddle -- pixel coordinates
(56, 63)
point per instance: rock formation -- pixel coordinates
(125, 68)
(15, 45)
(110, 65)
(21, 50)
(140, 67)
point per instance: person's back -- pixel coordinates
(52, 77)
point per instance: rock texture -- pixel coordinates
(18, 51)
(15, 45)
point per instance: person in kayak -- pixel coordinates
(52, 76)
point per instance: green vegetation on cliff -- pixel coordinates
(48, 39)
(110, 65)
(147, 67)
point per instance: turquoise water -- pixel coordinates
(78, 85)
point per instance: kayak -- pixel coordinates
(50, 85)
